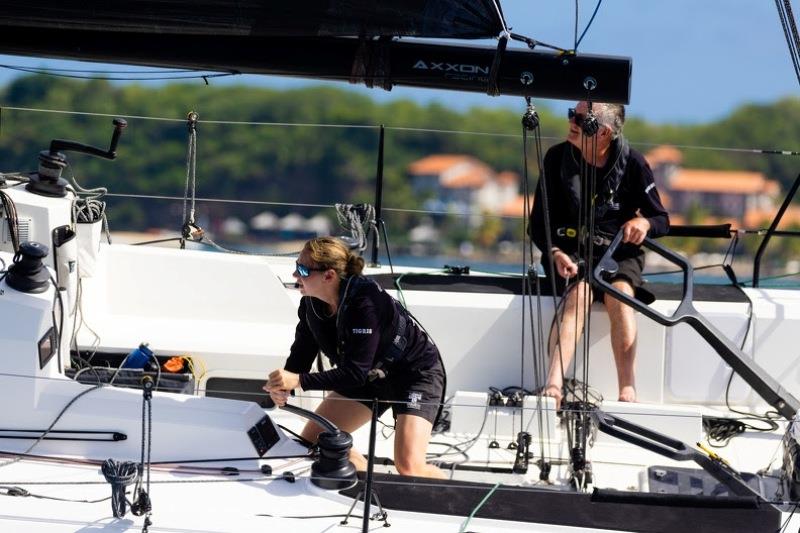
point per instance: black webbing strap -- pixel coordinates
(394, 352)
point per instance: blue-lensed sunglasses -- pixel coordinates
(304, 271)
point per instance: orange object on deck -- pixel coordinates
(174, 365)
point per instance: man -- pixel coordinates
(625, 197)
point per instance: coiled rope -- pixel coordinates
(359, 220)
(119, 475)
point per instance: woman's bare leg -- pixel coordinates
(348, 415)
(412, 434)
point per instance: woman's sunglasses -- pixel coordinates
(304, 271)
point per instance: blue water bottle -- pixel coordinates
(139, 357)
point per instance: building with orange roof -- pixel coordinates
(462, 184)
(664, 154)
(737, 196)
(516, 207)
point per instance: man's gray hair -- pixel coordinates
(611, 115)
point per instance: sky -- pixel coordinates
(694, 61)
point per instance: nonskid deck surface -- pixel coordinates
(185, 499)
(489, 457)
(214, 503)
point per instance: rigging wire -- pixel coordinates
(575, 41)
(530, 121)
(790, 32)
(767, 151)
(63, 73)
(530, 118)
(107, 71)
(588, 25)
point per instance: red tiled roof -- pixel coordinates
(472, 177)
(516, 207)
(508, 177)
(664, 154)
(438, 163)
(666, 199)
(759, 218)
(721, 181)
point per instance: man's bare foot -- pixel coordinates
(553, 391)
(627, 394)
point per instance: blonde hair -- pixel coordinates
(330, 252)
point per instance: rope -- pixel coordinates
(359, 220)
(119, 475)
(8, 207)
(530, 121)
(51, 426)
(142, 505)
(90, 209)
(477, 507)
(189, 228)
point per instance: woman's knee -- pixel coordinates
(311, 432)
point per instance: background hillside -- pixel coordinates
(314, 162)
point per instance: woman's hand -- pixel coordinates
(279, 397)
(280, 383)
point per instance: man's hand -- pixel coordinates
(564, 264)
(635, 230)
(280, 383)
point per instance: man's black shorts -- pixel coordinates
(418, 392)
(628, 269)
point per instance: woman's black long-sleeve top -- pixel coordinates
(354, 338)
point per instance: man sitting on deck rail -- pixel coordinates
(625, 198)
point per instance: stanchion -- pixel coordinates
(370, 465)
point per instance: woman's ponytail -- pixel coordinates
(330, 252)
(355, 264)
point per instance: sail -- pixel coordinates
(462, 19)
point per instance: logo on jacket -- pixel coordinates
(362, 331)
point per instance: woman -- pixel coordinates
(377, 350)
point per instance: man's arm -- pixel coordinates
(649, 204)
(536, 220)
(652, 219)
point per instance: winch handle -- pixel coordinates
(320, 420)
(685, 309)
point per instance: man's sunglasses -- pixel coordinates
(579, 118)
(304, 271)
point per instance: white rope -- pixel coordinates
(191, 167)
(91, 208)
